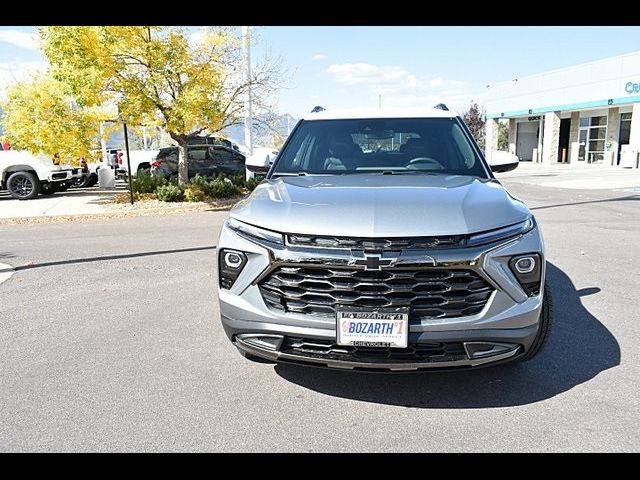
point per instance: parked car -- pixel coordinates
(26, 175)
(205, 160)
(411, 256)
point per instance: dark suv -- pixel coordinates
(206, 160)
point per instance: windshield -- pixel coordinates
(389, 145)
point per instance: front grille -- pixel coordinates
(58, 176)
(74, 171)
(418, 352)
(414, 243)
(429, 293)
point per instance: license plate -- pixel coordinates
(372, 329)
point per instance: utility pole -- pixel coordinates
(248, 118)
(126, 146)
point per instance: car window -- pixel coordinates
(400, 145)
(463, 145)
(198, 153)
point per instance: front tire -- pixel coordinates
(546, 320)
(23, 185)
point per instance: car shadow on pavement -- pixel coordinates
(579, 347)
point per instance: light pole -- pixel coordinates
(126, 147)
(248, 120)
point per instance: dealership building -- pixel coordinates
(581, 115)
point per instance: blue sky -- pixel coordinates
(351, 66)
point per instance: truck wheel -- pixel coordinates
(546, 319)
(23, 185)
(93, 179)
(48, 188)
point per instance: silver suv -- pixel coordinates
(382, 241)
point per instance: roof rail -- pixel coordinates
(442, 106)
(318, 108)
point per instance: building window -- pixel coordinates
(592, 136)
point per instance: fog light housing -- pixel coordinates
(230, 264)
(528, 270)
(525, 264)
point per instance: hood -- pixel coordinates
(380, 205)
(17, 157)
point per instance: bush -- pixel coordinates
(221, 188)
(239, 179)
(170, 193)
(199, 181)
(252, 183)
(193, 193)
(145, 183)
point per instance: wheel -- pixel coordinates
(93, 179)
(23, 185)
(83, 182)
(546, 319)
(48, 188)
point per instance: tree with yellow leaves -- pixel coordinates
(158, 76)
(40, 117)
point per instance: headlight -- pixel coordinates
(252, 232)
(503, 233)
(230, 264)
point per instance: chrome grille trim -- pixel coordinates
(430, 293)
(377, 244)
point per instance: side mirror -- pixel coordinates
(260, 162)
(259, 169)
(503, 161)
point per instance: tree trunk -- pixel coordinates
(183, 166)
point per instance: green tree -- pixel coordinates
(503, 136)
(156, 77)
(475, 118)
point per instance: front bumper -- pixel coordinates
(504, 330)
(64, 175)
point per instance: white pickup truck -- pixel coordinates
(140, 161)
(26, 175)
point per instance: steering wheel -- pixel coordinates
(425, 161)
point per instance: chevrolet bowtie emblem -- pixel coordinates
(373, 261)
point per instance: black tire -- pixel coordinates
(23, 185)
(48, 188)
(93, 179)
(82, 182)
(546, 320)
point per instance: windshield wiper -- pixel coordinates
(290, 174)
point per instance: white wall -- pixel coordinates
(610, 78)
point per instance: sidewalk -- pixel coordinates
(586, 177)
(73, 202)
(94, 203)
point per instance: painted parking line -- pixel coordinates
(5, 272)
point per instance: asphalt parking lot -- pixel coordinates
(110, 341)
